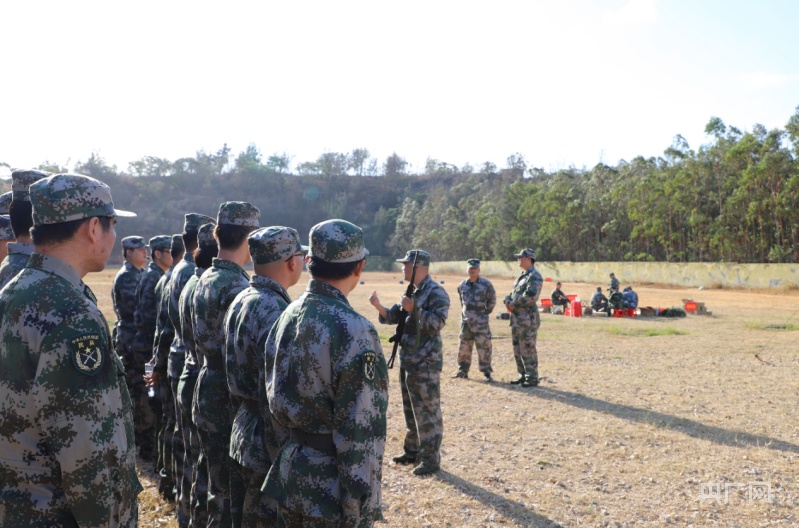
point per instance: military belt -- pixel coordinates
(320, 442)
(423, 332)
(475, 306)
(215, 362)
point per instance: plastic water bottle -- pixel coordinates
(148, 371)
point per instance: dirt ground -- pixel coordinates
(637, 422)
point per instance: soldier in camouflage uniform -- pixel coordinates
(522, 303)
(5, 202)
(181, 272)
(421, 361)
(6, 235)
(123, 296)
(66, 435)
(213, 410)
(327, 383)
(478, 299)
(146, 411)
(195, 469)
(164, 334)
(21, 221)
(277, 257)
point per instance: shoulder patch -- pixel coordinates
(86, 353)
(369, 363)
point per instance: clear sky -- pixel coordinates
(566, 83)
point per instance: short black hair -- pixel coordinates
(190, 240)
(177, 252)
(230, 236)
(320, 269)
(47, 234)
(21, 214)
(204, 255)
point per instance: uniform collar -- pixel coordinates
(268, 283)
(23, 248)
(55, 266)
(323, 288)
(219, 263)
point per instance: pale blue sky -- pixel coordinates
(564, 83)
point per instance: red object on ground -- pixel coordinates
(690, 306)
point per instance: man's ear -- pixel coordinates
(359, 268)
(92, 229)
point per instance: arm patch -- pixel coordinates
(86, 352)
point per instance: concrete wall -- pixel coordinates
(760, 276)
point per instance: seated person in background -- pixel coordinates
(615, 300)
(559, 298)
(599, 303)
(630, 298)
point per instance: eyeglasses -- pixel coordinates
(297, 254)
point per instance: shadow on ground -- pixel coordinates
(688, 427)
(514, 511)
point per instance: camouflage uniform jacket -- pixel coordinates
(164, 331)
(18, 254)
(523, 299)
(421, 347)
(478, 299)
(598, 298)
(66, 427)
(247, 323)
(180, 276)
(214, 293)
(192, 364)
(326, 374)
(123, 295)
(146, 313)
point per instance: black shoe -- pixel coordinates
(425, 468)
(460, 374)
(530, 382)
(489, 379)
(519, 381)
(405, 458)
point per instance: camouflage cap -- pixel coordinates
(337, 241)
(423, 260)
(5, 202)
(193, 221)
(133, 242)
(526, 252)
(161, 242)
(177, 242)
(66, 197)
(473, 263)
(238, 213)
(5, 228)
(205, 235)
(21, 180)
(269, 244)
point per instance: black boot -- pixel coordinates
(519, 381)
(531, 381)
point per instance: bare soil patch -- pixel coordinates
(637, 422)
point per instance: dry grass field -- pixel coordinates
(637, 422)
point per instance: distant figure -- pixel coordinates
(522, 303)
(630, 298)
(614, 283)
(599, 303)
(478, 298)
(559, 298)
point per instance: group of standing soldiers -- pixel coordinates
(272, 412)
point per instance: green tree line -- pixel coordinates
(733, 199)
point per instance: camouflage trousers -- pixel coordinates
(166, 426)
(258, 510)
(290, 519)
(178, 453)
(479, 337)
(424, 424)
(193, 494)
(212, 412)
(524, 348)
(144, 417)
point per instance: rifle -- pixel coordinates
(397, 337)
